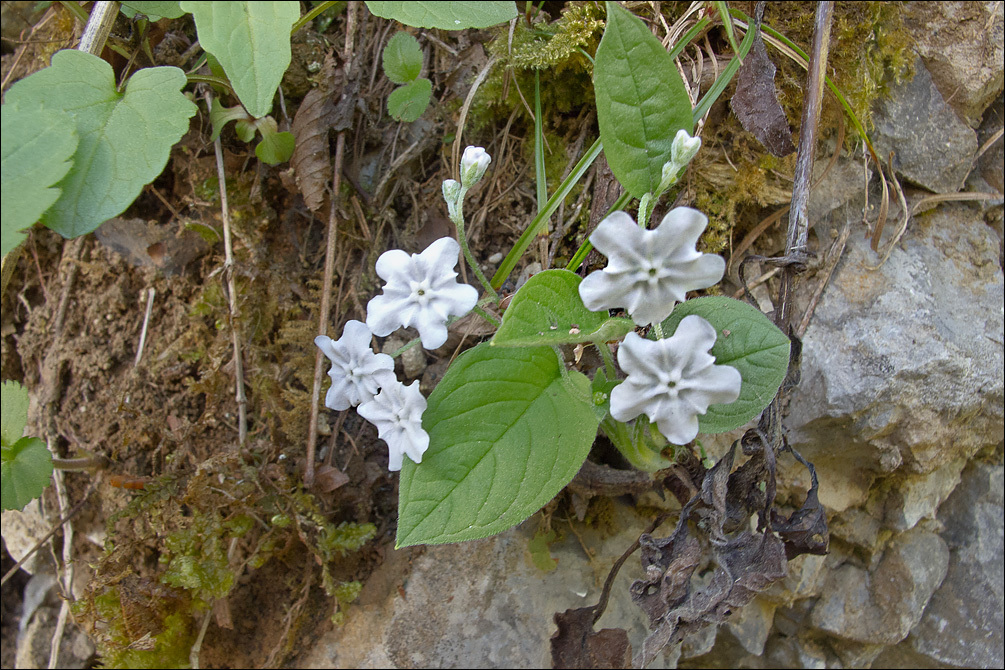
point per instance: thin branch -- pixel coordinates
(231, 286)
(329, 272)
(99, 25)
(795, 240)
(151, 292)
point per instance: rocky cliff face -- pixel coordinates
(900, 407)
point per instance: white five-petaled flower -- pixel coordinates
(397, 413)
(649, 271)
(673, 380)
(357, 373)
(474, 162)
(421, 291)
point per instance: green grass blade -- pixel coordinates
(539, 173)
(727, 75)
(727, 23)
(542, 217)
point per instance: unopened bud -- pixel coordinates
(474, 162)
(684, 148)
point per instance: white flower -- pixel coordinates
(421, 291)
(683, 148)
(649, 271)
(397, 413)
(356, 371)
(474, 162)
(673, 380)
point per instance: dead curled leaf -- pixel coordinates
(576, 645)
(755, 102)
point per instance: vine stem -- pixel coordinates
(329, 271)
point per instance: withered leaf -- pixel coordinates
(805, 532)
(311, 159)
(576, 645)
(755, 102)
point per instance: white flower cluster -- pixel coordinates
(670, 380)
(421, 290)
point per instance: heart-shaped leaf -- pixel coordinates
(36, 151)
(746, 340)
(25, 471)
(641, 101)
(547, 310)
(507, 430)
(124, 138)
(252, 42)
(445, 15)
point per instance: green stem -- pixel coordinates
(76, 10)
(488, 317)
(462, 239)
(605, 353)
(209, 79)
(310, 16)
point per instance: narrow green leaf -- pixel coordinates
(540, 176)
(507, 431)
(25, 471)
(402, 58)
(14, 406)
(746, 340)
(124, 138)
(252, 42)
(407, 103)
(547, 310)
(154, 10)
(445, 15)
(641, 101)
(36, 150)
(727, 23)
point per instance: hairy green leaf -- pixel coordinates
(445, 15)
(124, 138)
(275, 148)
(25, 470)
(154, 10)
(746, 340)
(407, 103)
(35, 154)
(14, 406)
(641, 101)
(547, 310)
(507, 431)
(402, 58)
(252, 42)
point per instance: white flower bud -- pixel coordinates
(474, 162)
(451, 189)
(684, 148)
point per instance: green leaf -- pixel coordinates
(445, 15)
(25, 471)
(407, 103)
(547, 310)
(275, 148)
(14, 406)
(154, 11)
(402, 58)
(641, 101)
(252, 42)
(220, 116)
(751, 343)
(35, 154)
(507, 431)
(124, 139)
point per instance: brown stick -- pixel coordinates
(795, 241)
(329, 273)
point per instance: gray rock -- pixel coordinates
(961, 44)
(963, 624)
(483, 603)
(21, 530)
(34, 642)
(752, 625)
(902, 366)
(917, 125)
(881, 607)
(918, 496)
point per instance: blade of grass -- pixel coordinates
(727, 75)
(506, 267)
(311, 15)
(727, 23)
(688, 37)
(539, 173)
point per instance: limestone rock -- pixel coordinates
(963, 624)
(917, 125)
(919, 496)
(22, 529)
(902, 366)
(961, 44)
(752, 625)
(881, 607)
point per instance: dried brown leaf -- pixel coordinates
(311, 159)
(755, 102)
(576, 645)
